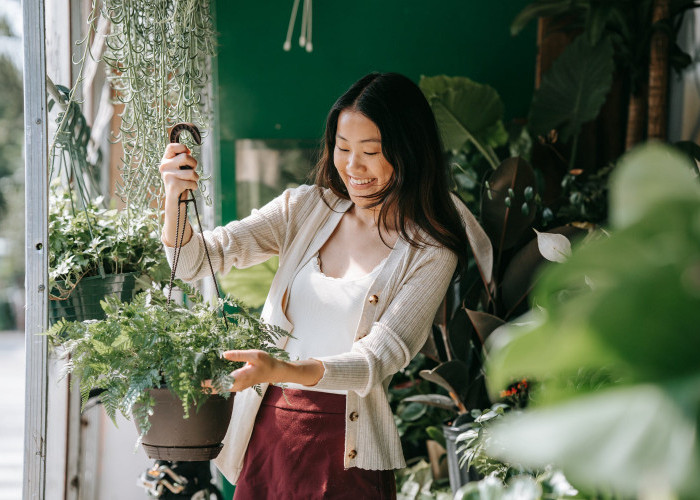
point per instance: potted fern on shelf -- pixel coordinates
(150, 359)
(95, 252)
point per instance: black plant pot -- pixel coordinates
(84, 301)
(459, 476)
(193, 439)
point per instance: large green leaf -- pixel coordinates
(574, 89)
(629, 439)
(466, 111)
(646, 176)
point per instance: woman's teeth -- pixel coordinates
(359, 182)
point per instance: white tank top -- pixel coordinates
(325, 312)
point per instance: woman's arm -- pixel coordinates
(245, 242)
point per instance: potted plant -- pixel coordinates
(95, 252)
(150, 358)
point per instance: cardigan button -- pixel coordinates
(373, 299)
(352, 454)
(353, 416)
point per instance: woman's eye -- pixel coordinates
(341, 149)
(371, 154)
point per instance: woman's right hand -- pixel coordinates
(176, 182)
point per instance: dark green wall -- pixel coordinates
(265, 92)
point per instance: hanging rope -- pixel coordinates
(175, 132)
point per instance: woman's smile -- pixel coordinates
(361, 183)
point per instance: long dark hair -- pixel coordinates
(418, 192)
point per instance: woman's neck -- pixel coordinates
(366, 217)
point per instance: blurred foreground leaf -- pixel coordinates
(614, 342)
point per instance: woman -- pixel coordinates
(366, 255)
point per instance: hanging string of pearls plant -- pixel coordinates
(157, 53)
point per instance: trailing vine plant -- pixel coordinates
(157, 53)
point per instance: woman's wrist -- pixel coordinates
(307, 372)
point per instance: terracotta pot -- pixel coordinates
(196, 438)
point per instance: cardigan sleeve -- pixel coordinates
(398, 334)
(246, 242)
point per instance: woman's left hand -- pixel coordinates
(259, 368)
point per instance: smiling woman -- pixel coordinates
(366, 256)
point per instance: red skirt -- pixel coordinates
(297, 449)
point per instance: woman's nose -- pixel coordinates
(354, 163)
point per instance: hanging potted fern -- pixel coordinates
(151, 358)
(95, 253)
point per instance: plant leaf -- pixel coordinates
(518, 278)
(412, 412)
(545, 8)
(465, 111)
(647, 176)
(437, 400)
(614, 437)
(452, 376)
(489, 488)
(553, 247)
(599, 14)
(484, 323)
(573, 90)
(479, 242)
(436, 434)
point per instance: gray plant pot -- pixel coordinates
(84, 301)
(459, 476)
(196, 438)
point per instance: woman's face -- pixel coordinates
(358, 156)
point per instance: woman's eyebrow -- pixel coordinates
(363, 140)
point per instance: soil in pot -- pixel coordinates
(196, 438)
(84, 301)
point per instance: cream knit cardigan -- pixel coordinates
(391, 330)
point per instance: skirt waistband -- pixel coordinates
(306, 401)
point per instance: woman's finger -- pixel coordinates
(185, 175)
(174, 163)
(174, 149)
(175, 185)
(249, 356)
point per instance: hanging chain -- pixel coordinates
(180, 236)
